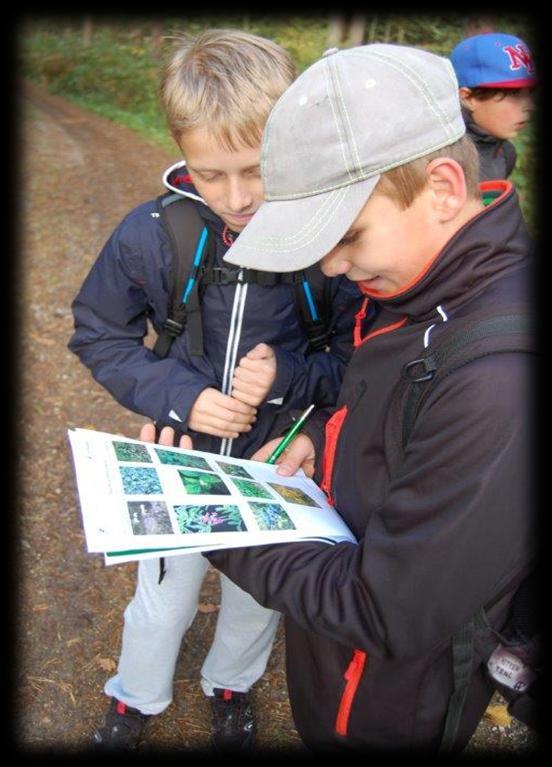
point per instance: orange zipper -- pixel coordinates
(333, 427)
(352, 677)
(359, 316)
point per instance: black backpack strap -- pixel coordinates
(313, 297)
(418, 375)
(194, 295)
(421, 372)
(189, 238)
(462, 663)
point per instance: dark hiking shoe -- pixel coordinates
(121, 729)
(233, 721)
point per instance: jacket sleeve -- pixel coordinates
(110, 322)
(452, 531)
(316, 377)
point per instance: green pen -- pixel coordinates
(290, 435)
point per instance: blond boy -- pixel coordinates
(217, 91)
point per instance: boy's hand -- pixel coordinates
(220, 415)
(299, 454)
(166, 436)
(254, 376)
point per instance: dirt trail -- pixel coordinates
(80, 174)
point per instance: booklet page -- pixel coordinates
(141, 500)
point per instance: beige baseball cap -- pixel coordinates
(349, 117)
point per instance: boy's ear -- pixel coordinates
(447, 185)
(466, 97)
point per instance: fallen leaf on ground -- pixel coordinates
(106, 664)
(207, 607)
(498, 715)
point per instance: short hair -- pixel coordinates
(225, 80)
(486, 94)
(405, 182)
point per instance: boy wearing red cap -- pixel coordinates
(496, 78)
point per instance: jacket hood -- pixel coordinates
(488, 246)
(177, 179)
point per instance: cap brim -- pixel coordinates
(528, 82)
(287, 235)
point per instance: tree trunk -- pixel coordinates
(336, 31)
(87, 29)
(356, 29)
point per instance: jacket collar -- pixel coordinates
(176, 179)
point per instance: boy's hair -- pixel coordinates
(485, 94)
(225, 80)
(405, 182)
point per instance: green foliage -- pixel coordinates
(170, 458)
(114, 71)
(128, 451)
(209, 519)
(251, 489)
(140, 481)
(271, 516)
(201, 483)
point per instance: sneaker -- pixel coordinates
(122, 727)
(233, 721)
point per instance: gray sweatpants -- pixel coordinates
(159, 615)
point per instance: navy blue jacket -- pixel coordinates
(129, 284)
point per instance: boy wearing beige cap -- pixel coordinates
(366, 169)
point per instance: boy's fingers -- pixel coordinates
(250, 398)
(264, 452)
(252, 368)
(240, 408)
(258, 352)
(166, 436)
(299, 454)
(147, 432)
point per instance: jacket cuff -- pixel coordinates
(284, 375)
(179, 410)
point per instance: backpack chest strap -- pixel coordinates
(222, 275)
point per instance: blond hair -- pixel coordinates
(224, 80)
(405, 182)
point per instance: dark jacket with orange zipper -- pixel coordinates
(369, 626)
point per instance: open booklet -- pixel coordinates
(141, 500)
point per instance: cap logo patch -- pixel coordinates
(520, 57)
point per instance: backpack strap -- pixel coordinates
(192, 269)
(419, 374)
(312, 295)
(189, 238)
(462, 660)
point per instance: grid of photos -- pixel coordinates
(198, 477)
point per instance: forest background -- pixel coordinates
(110, 65)
(79, 168)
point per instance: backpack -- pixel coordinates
(514, 656)
(192, 269)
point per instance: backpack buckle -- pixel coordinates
(173, 327)
(220, 275)
(429, 366)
